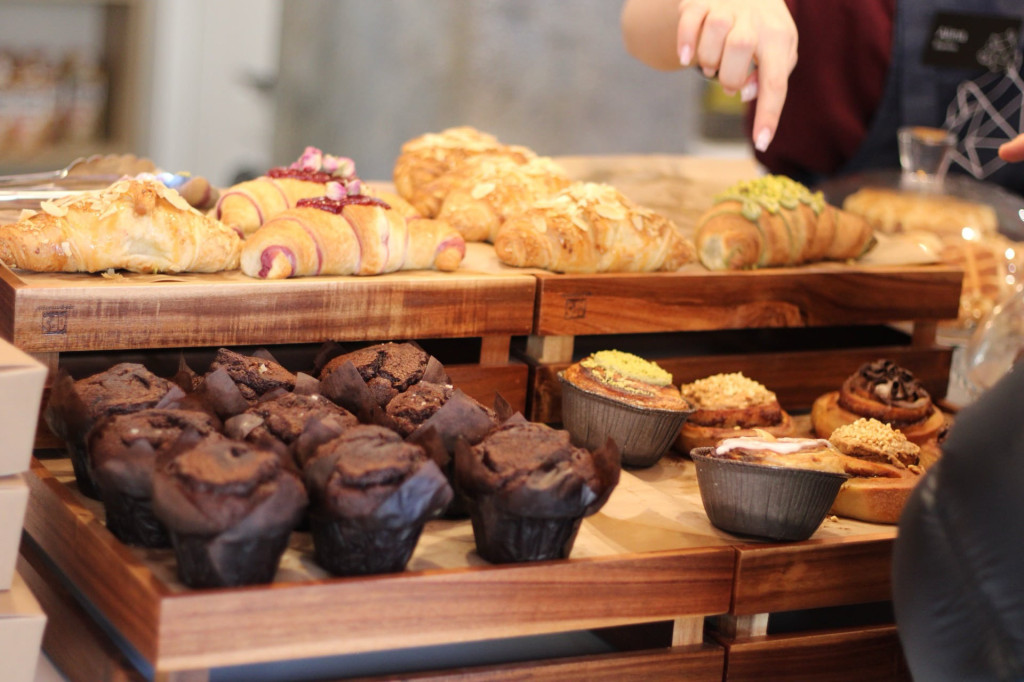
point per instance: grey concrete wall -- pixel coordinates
(359, 77)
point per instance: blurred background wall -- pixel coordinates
(230, 87)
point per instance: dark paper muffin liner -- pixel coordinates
(345, 548)
(775, 503)
(132, 521)
(205, 561)
(83, 472)
(503, 538)
(643, 434)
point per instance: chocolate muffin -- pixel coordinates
(234, 381)
(75, 406)
(278, 423)
(371, 493)
(390, 368)
(123, 453)
(412, 407)
(436, 416)
(528, 489)
(229, 508)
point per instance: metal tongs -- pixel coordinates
(82, 174)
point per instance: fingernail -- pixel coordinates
(748, 92)
(763, 139)
(709, 72)
(685, 55)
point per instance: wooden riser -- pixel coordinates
(848, 655)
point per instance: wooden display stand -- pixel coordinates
(649, 559)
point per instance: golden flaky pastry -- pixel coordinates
(422, 170)
(728, 406)
(135, 225)
(592, 227)
(486, 190)
(892, 210)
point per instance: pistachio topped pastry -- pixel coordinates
(771, 193)
(775, 221)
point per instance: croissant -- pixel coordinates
(357, 235)
(486, 190)
(776, 221)
(135, 225)
(247, 205)
(422, 168)
(591, 227)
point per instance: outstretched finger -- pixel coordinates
(773, 70)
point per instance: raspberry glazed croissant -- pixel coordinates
(592, 227)
(343, 234)
(775, 221)
(134, 225)
(249, 204)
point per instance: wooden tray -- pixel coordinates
(650, 553)
(646, 560)
(56, 312)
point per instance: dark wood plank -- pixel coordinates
(60, 312)
(73, 641)
(700, 663)
(797, 378)
(813, 574)
(484, 382)
(201, 630)
(869, 653)
(694, 300)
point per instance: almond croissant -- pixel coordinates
(773, 221)
(486, 190)
(135, 225)
(356, 235)
(421, 172)
(590, 227)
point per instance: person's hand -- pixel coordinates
(1012, 150)
(750, 45)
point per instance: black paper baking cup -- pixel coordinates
(775, 503)
(643, 434)
(205, 561)
(345, 548)
(503, 537)
(132, 521)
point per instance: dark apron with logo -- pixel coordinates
(920, 94)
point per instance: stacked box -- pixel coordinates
(21, 619)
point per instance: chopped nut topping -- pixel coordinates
(871, 438)
(727, 390)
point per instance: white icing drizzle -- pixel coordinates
(783, 446)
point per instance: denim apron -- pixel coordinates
(919, 94)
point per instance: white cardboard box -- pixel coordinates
(21, 632)
(13, 501)
(21, 391)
